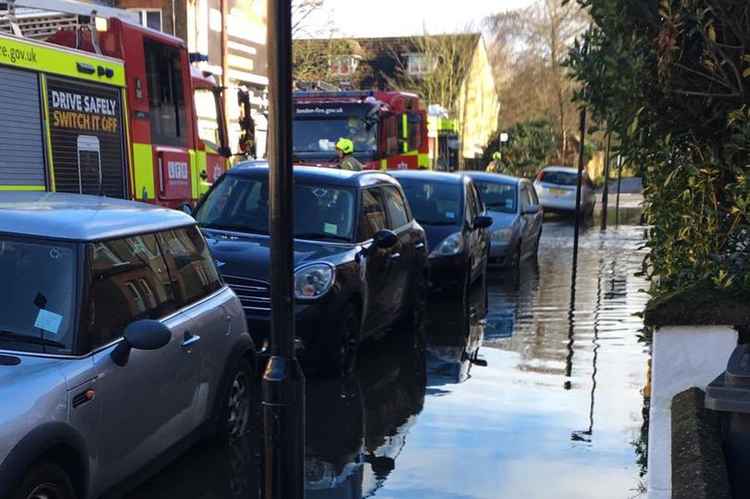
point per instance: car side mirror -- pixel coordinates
(384, 239)
(531, 210)
(141, 335)
(482, 222)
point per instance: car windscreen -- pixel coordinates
(559, 178)
(320, 135)
(498, 196)
(434, 203)
(321, 212)
(37, 296)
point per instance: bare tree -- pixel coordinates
(444, 62)
(312, 58)
(301, 11)
(528, 50)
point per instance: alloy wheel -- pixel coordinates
(238, 404)
(45, 491)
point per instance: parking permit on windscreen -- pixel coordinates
(331, 228)
(48, 321)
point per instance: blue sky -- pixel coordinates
(403, 17)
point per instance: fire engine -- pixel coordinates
(96, 104)
(388, 128)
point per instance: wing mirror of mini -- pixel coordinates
(384, 239)
(141, 335)
(482, 222)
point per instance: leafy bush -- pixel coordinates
(529, 146)
(671, 80)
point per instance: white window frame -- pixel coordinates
(143, 16)
(350, 61)
(424, 67)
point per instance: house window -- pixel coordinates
(151, 18)
(419, 64)
(344, 65)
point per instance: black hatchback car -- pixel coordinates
(360, 257)
(449, 208)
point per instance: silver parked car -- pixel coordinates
(118, 341)
(557, 185)
(517, 217)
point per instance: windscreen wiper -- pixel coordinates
(34, 340)
(317, 235)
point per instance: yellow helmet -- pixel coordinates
(345, 145)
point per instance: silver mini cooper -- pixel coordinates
(118, 342)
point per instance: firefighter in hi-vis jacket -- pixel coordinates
(345, 151)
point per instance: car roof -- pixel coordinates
(493, 177)
(429, 176)
(566, 169)
(77, 217)
(317, 174)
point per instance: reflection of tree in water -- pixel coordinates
(357, 426)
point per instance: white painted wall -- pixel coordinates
(682, 357)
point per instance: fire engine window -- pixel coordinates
(165, 94)
(208, 118)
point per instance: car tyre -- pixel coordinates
(341, 355)
(466, 306)
(45, 480)
(516, 263)
(238, 413)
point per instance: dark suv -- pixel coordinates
(360, 257)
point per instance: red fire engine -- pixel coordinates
(388, 128)
(155, 149)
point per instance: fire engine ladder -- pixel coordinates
(40, 19)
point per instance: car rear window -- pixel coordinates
(559, 178)
(434, 203)
(37, 298)
(497, 196)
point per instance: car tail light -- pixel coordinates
(540, 176)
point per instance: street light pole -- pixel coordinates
(283, 384)
(578, 186)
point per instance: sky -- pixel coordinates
(366, 18)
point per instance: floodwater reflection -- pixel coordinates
(541, 399)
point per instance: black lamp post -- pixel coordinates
(283, 381)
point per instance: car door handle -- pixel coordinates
(190, 339)
(395, 256)
(419, 245)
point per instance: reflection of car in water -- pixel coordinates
(450, 357)
(208, 472)
(358, 425)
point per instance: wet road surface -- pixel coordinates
(555, 413)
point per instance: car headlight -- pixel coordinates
(313, 281)
(451, 245)
(502, 235)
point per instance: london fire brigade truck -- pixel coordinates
(100, 105)
(388, 128)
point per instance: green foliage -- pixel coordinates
(670, 80)
(530, 145)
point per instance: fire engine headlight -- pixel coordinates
(451, 245)
(313, 281)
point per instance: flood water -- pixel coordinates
(555, 413)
